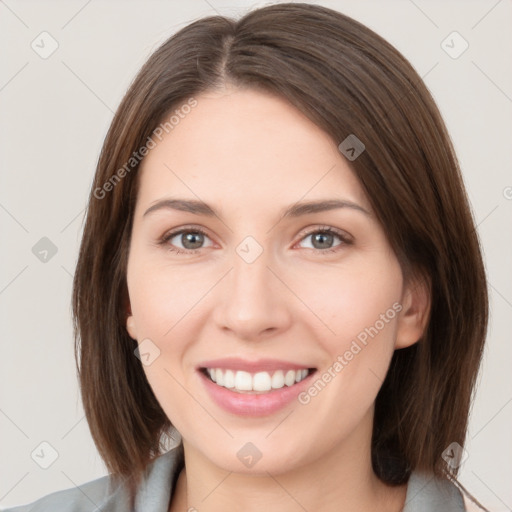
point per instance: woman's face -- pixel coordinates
(259, 297)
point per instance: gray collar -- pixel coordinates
(426, 493)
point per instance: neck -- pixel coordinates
(340, 480)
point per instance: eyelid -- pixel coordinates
(317, 228)
(187, 227)
(168, 235)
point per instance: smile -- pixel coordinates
(254, 388)
(259, 382)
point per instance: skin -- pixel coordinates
(249, 155)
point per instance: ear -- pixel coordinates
(130, 321)
(130, 327)
(413, 318)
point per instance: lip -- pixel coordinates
(261, 365)
(247, 404)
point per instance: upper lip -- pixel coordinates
(260, 365)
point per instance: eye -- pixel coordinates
(191, 240)
(324, 239)
(188, 240)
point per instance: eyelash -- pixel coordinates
(345, 239)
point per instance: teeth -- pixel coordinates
(229, 379)
(243, 380)
(219, 377)
(261, 381)
(292, 377)
(278, 379)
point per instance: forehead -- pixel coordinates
(242, 147)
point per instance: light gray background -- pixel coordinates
(54, 115)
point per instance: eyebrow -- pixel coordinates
(296, 210)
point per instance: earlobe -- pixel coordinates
(414, 316)
(130, 327)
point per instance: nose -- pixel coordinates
(252, 303)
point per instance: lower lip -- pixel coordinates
(246, 404)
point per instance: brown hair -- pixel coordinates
(347, 80)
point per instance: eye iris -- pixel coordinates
(325, 240)
(194, 239)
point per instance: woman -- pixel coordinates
(279, 266)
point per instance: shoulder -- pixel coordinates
(427, 493)
(85, 497)
(102, 494)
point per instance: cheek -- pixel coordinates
(361, 308)
(162, 302)
(351, 300)
(162, 297)
(165, 303)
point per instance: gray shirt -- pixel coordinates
(424, 492)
